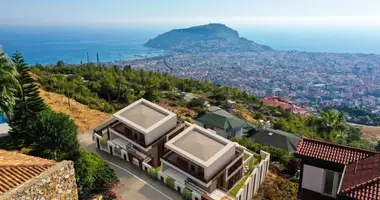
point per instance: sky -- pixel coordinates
(188, 12)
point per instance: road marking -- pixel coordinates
(111, 163)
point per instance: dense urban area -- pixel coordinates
(310, 79)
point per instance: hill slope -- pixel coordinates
(84, 117)
(205, 38)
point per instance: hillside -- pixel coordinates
(84, 117)
(205, 38)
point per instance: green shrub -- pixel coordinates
(187, 194)
(103, 141)
(170, 182)
(53, 136)
(93, 175)
(117, 150)
(153, 173)
(196, 102)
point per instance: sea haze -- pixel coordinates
(48, 44)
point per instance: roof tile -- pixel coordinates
(17, 168)
(330, 152)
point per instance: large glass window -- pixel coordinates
(329, 182)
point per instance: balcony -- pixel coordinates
(182, 164)
(128, 133)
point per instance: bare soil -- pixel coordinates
(84, 117)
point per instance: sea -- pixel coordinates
(48, 44)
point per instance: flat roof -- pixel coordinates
(143, 115)
(198, 144)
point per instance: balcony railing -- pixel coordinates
(120, 129)
(193, 187)
(172, 158)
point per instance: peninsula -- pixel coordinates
(205, 38)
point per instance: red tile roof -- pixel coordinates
(17, 168)
(361, 179)
(330, 152)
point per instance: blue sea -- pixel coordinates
(48, 44)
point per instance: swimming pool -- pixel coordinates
(2, 120)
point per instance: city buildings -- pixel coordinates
(186, 156)
(330, 171)
(28, 177)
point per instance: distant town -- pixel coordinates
(309, 79)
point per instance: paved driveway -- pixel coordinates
(135, 184)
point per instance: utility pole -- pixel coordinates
(97, 58)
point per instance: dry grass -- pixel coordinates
(84, 117)
(180, 111)
(245, 114)
(372, 134)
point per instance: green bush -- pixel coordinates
(103, 141)
(153, 173)
(53, 136)
(196, 102)
(117, 150)
(187, 194)
(170, 182)
(93, 175)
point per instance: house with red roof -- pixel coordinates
(331, 171)
(285, 104)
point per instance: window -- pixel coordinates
(192, 167)
(329, 182)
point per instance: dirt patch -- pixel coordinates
(245, 114)
(370, 133)
(84, 117)
(180, 111)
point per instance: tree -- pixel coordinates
(377, 147)
(28, 103)
(8, 85)
(54, 136)
(332, 125)
(60, 63)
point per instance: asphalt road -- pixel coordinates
(135, 184)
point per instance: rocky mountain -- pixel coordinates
(205, 38)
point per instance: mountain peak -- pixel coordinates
(212, 37)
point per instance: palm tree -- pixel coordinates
(8, 85)
(332, 126)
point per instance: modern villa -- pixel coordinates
(138, 132)
(189, 156)
(200, 157)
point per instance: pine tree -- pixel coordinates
(28, 103)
